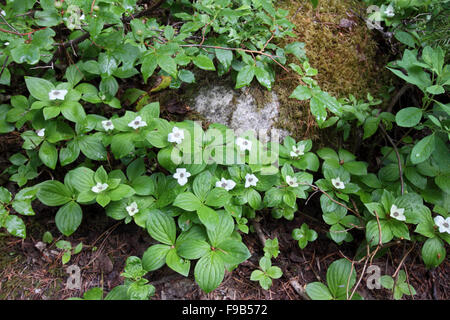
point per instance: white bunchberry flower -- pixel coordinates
(107, 125)
(132, 209)
(3, 13)
(389, 12)
(298, 151)
(99, 187)
(177, 135)
(337, 183)
(443, 224)
(244, 144)
(226, 184)
(182, 176)
(292, 181)
(137, 123)
(57, 94)
(250, 180)
(397, 213)
(40, 132)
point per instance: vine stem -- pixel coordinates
(316, 188)
(272, 57)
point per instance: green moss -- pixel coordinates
(348, 61)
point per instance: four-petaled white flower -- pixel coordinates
(99, 187)
(389, 12)
(244, 144)
(40, 132)
(107, 125)
(177, 135)
(397, 213)
(226, 184)
(337, 183)
(137, 123)
(292, 181)
(182, 176)
(132, 209)
(443, 224)
(298, 151)
(250, 180)
(57, 94)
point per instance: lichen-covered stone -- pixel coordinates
(238, 109)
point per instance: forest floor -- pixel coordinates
(27, 273)
(28, 270)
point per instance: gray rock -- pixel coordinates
(238, 110)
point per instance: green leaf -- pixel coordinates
(408, 117)
(149, 65)
(433, 252)
(358, 168)
(81, 178)
(204, 62)
(202, 184)
(92, 147)
(218, 235)
(177, 263)
(318, 291)
(155, 257)
(233, 252)
(301, 93)
(48, 154)
(423, 149)
(387, 282)
(218, 197)
(68, 218)
(372, 232)
(225, 57)
(187, 201)
(39, 88)
(263, 77)
(15, 226)
(168, 64)
(73, 111)
(23, 207)
(340, 276)
(53, 193)
(405, 38)
(66, 257)
(47, 237)
(209, 217)
(274, 272)
(193, 248)
(436, 89)
(186, 76)
(118, 293)
(5, 195)
(93, 294)
(371, 126)
(161, 227)
(245, 76)
(74, 75)
(5, 127)
(209, 272)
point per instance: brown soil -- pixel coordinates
(25, 273)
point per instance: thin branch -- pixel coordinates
(272, 57)
(400, 170)
(4, 65)
(316, 188)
